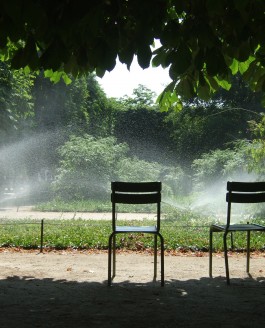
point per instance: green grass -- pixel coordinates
(182, 230)
(82, 234)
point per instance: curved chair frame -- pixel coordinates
(238, 192)
(135, 193)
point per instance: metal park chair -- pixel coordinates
(238, 192)
(135, 193)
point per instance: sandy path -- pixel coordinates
(26, 212)
(68, 289)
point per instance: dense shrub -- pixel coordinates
(220, 166)
(87, 165)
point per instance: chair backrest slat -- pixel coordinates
(136, 193)
(246, 186)
(136, 198)
(245, 198)
(118, 186)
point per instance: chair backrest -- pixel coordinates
(136, 193)
(244, 192)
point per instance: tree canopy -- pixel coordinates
(203, 42)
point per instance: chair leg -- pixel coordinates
(155, 257)
(109, 259)
(210, 253)
(248, 250)
(226, 259)
(162, 261)
(111, 249)
(114, 256)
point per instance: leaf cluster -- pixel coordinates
(203, 42)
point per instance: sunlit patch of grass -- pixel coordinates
(93, 234)
(20, 234)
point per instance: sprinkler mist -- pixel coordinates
(25, 169)
(211, 202)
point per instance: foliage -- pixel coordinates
(257, 149)
(218, 166)
(239, 164)
(81, 106)
(206, 42)
(101, 110)
(142, 97)
(203, 42)
(15, 101)
(204, 126)
(175, 181)
(133, 169)
(87, 165)
(239, 96)
(146, 133)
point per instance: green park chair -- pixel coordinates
(135, 193)
(244, 193)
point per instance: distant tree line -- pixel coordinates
(73, 139)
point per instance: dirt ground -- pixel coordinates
(69, 289)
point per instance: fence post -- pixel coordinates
(41, 235)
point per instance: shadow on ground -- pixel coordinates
(30, 302)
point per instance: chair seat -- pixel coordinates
(238, 227)
(143, 229)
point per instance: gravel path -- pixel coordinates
(26, 212)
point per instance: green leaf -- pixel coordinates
(56, 76)
(160, 59)
(234, 66)
(167, 98)
(126, 57)
(224, 84)
(215, 62)
(199, 60)
(203, 92)
(212, 82)
(100, 72)
(250, 71)
(66, 78)
(203, 89)
(185, 88)
(48, 73)
(181, 60)
(26, 70)
(144, 55)
(243, 66)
